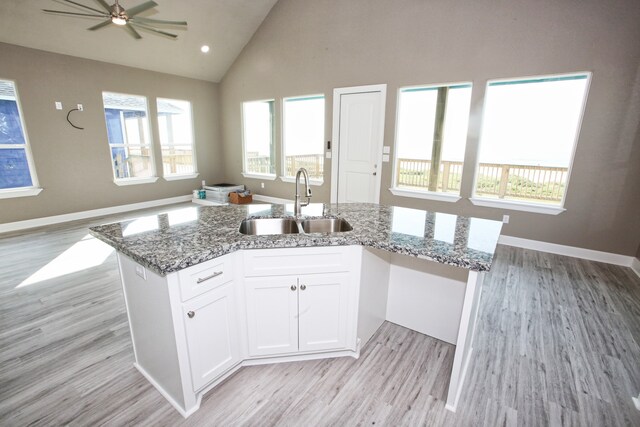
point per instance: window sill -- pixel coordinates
(178, 177)
(427, 195)
(518, 206)
(259, 176)
(20, 192)
(135, 181)
(293, 180)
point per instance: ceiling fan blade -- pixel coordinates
(157, 21)
(132, 11)
(83, 6)
(132, 31)
(60, 12)
(100, 25)
(145, 27)
(104, 4)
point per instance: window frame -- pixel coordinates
(526, 206)
(283, 176)
(34, 189)
(176, 176)
(132, 180)
(245, 173)
(440, 196)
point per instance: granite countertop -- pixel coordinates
(172, 241)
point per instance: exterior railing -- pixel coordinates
(494, 179)
(314, 163)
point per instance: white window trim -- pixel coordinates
(135, 181)
(194, 174)
(268, 177)
(177, 177)
(284, 176)
(9, 193)
(244, 172)
(518, 206)
(317, 182)
(132, 180)
(35, 189)
(528, 206)
(427, 195)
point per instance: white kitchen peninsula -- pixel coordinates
(203, 299)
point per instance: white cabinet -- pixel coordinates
(272, 315)
(212, 334)
(323, 303)
(306, 313)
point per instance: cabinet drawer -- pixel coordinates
(270, 262)
(204, 277)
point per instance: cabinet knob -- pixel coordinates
(191, 314)
(303, 287)
(293, 287)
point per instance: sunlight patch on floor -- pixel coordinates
(87, 253)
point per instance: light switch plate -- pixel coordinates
(385, 158)
(327, 155)
(58, 105)
(386, 149)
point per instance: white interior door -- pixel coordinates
(358, 137)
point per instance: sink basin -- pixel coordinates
(325, 225)
(263, 226)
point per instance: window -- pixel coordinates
(303, 136)
(529, 132)
(258, 138)
(431, 136)
(129, 140)
(176, 138)
(17, 174)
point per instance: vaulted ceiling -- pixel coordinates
(225, 25)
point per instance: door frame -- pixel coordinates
(335, 146)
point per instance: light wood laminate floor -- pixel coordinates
(557, 344)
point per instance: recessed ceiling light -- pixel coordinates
(204, 49)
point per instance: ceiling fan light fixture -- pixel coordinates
(118, 20)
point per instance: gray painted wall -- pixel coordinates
(74, 166)
(306, 47)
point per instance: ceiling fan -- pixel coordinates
(118, 15)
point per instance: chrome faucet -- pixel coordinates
(307, 190)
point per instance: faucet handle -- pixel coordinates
(308, 191)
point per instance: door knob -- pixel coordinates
(191, 314)
(293, 287)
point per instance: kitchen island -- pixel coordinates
(203, 299)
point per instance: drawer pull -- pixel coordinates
(204, 279)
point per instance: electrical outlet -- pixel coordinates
(386, 149)
(505, 219)
(385, 158)
(327, 155)
(80, 107)
(262, 185)
(58, 105)
(141, 271)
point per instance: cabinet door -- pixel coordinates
(272, 309)
(323, 311)
(212, 334)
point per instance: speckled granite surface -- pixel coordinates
(181, 238)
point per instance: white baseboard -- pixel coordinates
(39, 222)
(635, 266)
(270, 199)
(572, 251)
(163, 392)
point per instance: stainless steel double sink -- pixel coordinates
(265, 226)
